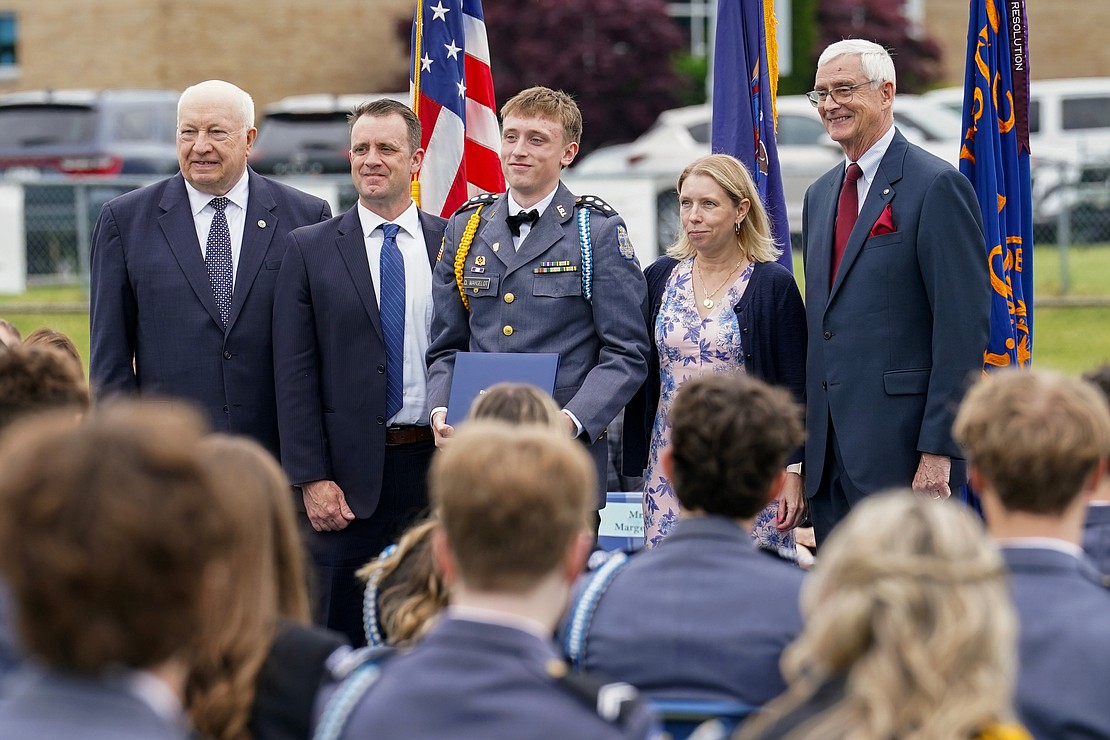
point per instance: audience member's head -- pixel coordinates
(108, 533)
(513, 504)
(730, 438)
(517, 403)
(54, 338)
(404, 590)
(9, 335)
(36, 379)
(908, 609)
(263, 581)
(1036, 441)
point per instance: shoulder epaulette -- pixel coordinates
(356, 671)
(592, 201)
(477, 200)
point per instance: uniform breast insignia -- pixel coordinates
(624, 244)
(546, 268)
(476, 283)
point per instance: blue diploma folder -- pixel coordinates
(477, 371)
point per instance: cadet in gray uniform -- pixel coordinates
(513, 503)
(539, 270)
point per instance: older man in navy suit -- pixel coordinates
(738, 606)
(183, 272)
(1037, 445)
(352, 312)
(897, 298)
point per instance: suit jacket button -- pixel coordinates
(509, 298)
(381, 369)
(380, 419)
(507, 331)
(227, 355)
(225, 408)
(825, 385)
(827, 335)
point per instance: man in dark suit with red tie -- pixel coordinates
(183, 272)
(897, 298)
(352, 313)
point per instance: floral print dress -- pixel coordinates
(690, 345)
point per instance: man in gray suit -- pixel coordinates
(107, 583)
(1037, 447)
(538, 270)
(737, 606)
(897, 298)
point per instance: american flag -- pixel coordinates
(453, 96)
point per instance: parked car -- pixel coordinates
(85, 132)
(1069, 137)
(805, 150)
(308, 134)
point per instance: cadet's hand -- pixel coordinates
(326, 506)
(441, 428)
(932, 474)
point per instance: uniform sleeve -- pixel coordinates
(113, 311)
(619, 306)
(450, 319)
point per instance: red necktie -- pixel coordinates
(847, 210)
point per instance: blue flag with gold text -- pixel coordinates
(995, 157)
(743, 113)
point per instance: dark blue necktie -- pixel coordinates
(392, 311)
(217, 258)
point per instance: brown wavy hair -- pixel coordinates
(262, 583)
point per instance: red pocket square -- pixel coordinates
(885, 223)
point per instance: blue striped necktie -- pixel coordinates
(392, 312)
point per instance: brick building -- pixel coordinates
(271, 48)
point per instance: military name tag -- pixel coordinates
(475, 282)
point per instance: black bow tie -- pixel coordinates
(524, 217)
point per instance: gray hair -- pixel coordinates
(218, 89)
(876, 60)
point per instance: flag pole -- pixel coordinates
(417, 41)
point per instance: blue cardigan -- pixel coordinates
(772, 322)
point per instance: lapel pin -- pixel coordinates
(496, 246)
(480, 260)
(886, 191)
(562, 211)
(261, 224)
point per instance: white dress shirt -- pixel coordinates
(515, 208)
(236, 213)
(418, 303)
(869, 163)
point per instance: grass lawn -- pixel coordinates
(1067, 338)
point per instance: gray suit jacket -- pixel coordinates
(602, 345)
(703, 616)
(155, 327)
(1064, 648)
(896, 339)
(51, 706)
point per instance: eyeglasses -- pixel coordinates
(840, 95)
(213, 134)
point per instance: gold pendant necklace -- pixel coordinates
(708, 301)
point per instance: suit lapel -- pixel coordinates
(180, 231)
(433, 236)
(879, 194)
(818, 258)
(352, 248)
(494, 232)
(258, 231)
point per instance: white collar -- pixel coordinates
(409, 220)
(540, 207)
(237, 195)
(869, 161)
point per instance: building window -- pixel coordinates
(694, 18)
(7, 41)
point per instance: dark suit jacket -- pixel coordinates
(330, 356)
(152, 301)
(704, 616)
(1096, 538)
(1064, 645)
(773, 321)
(894, 343)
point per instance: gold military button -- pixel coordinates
(507, 331)
(509, 298)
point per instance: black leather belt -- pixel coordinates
(407, 434)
